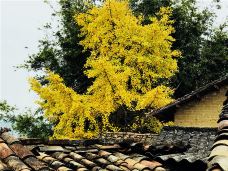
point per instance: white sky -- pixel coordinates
(20, 21)
(19, 25)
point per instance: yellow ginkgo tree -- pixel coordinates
(128, 61)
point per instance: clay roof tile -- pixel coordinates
(21, 151)
(8, 138)
(5, 151)
(16, 164)
(129, 155)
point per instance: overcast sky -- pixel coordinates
(20, 21)
(19, 25)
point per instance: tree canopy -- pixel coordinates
(62, 53)
(27, 123)
(5, 108)
(128, 63)
(195, 37)
(65, 56)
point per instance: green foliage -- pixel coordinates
(29, 124)
(214, 56)
(195, 38)
(62, 52)
(193, 26)
(148, 8)
(5, 109)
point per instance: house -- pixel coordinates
(200, 108)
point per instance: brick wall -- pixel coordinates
(203, 112)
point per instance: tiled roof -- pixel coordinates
(175, 148)
(191, 96)
(218, 158)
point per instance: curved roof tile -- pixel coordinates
(218, 159)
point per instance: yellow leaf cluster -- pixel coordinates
(128, 57)
(69, 110)
(150, 124)
(127, 62)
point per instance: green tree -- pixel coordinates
(29, 124)
(62, 53)
(214, 56)
(5, 108)
(195, 38)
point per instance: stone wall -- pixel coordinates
(203, 112)
(110, 137)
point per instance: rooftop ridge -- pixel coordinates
(202, 129)
(116, 136)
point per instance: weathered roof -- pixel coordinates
(218, 158)
(193, 95)
(175, 148)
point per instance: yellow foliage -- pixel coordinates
(129, 55)
(150, 124)
(70, 110)
(127, 61)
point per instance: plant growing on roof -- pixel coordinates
(128, 62)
